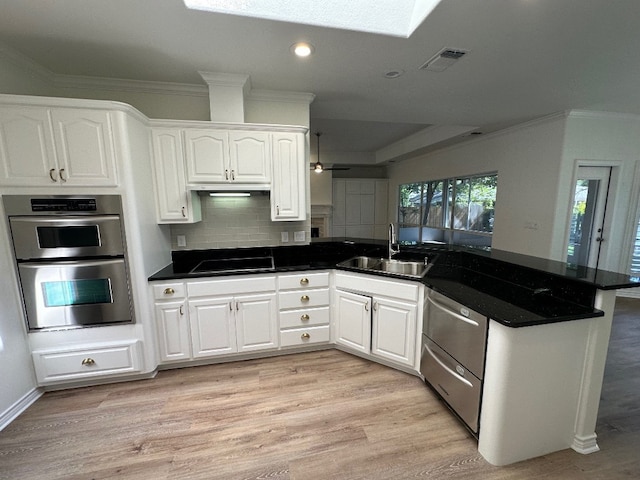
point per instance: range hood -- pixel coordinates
(230, 187)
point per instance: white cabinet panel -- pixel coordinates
(213, 328)
(207, 155)
(288, 185)
(394, 330)
(354, 321)
(69, 147)
(250, 157)
(257, 327)
(172, 327)
(174, 203)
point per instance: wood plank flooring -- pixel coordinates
(320, 415)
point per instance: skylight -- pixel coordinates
(398, 18)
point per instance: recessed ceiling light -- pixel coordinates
(302, 49)
(393, 73)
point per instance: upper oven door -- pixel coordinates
(66, 237)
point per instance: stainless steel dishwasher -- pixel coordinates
(453, 353)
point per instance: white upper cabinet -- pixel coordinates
(250, 157)
(227, 156)
(207, 154)
(175, 204)
(42, 146)
(288, 187)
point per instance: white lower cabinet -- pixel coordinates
(91, 361)
(206, 318)
(369, 322)
(304, 308)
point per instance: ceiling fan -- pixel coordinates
(318, 167)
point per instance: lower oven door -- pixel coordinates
(75, 293)
(455, 384)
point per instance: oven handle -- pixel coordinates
(78, 263)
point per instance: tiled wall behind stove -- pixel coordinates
(237, 222)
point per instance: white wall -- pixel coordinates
(527, 159)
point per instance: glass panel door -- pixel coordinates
(586, 228)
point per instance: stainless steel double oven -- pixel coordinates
(70, 256)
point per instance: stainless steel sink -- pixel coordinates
(402, 268)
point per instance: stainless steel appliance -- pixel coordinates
(453, 354)
(70, 256)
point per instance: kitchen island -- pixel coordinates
(549, 326)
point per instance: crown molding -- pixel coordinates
(278, 96)
(137, 86)
(25, 63)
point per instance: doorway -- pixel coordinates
(587, 228)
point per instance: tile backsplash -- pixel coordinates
(237, 222)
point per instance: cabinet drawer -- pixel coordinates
(304, 298)
(303, 280)
(373, 285)
(168, 291)
(232, 285)
(304, 336)
(304, 317)
(103, 360)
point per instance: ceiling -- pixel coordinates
(527, 58)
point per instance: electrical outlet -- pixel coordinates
(298, 236)
(284, 237)
(181, 240)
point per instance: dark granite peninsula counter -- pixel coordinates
(515, 290)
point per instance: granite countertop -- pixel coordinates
(515, 290)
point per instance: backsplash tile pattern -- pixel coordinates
(237, 222)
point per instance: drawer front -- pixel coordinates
(56, 366)
(304, 317)
(168, 291)
(304, 298)
(458, 330)
(232, 285)
(303, 280)
(304, 336)
(456, 385)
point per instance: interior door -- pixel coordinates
(587, 229)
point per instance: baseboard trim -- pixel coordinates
(585, 445)
(20, 406)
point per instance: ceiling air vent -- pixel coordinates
(443, 59)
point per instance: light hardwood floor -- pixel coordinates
(320, 415)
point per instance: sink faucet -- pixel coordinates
(393, 241)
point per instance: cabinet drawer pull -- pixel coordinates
(304, 298)
(51, 175)
(305, 336)
(169, 291)
(304, 281)
(305, 317)
(87, 362)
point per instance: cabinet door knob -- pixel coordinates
(305, 317)
(169, 291)
(62, 175)
(51, 175)
(304, 281)
(304, 298)
(305, 336)
(87, 362)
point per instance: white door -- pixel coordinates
(394, 330)
(353, 321)
(588, 228)
(207, 156)
(250, 157)
(84, 146)
(173, 331)
(256, 322)
(213, 329)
